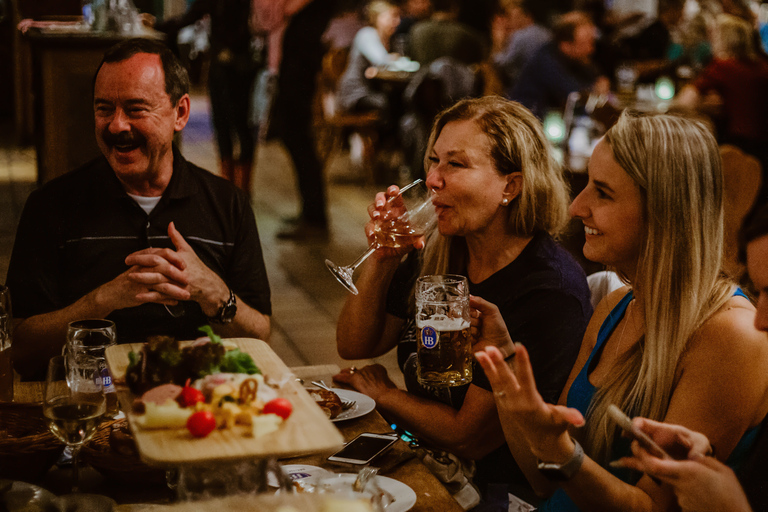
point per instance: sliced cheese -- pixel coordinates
(167, 415)
(264, 424)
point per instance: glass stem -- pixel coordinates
(75, 449)
(362, 258)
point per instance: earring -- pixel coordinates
(505, 201)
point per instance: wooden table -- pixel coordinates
(398, 463)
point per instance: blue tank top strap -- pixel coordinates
(611, 321)
(740, 293)
(581, 392)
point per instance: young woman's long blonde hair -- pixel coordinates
(676, 163)
(517, 144)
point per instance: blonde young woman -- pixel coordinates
(677, 345)
(370, 47)
(499, 197)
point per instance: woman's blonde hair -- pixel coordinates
(376, 8)
(676, 163)
(736, 38)
(517, 144)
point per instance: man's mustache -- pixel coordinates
(122, 138)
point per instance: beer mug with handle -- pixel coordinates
(444, 352)
(91, 338)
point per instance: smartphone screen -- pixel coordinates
(363, 448)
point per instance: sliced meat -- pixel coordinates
(327, 400)
(161, 394)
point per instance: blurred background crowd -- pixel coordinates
(327, 75)
(368, 77)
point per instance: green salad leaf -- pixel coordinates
(208, 330)
(235, 361)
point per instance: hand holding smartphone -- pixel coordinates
(364, 448)
(625, 423)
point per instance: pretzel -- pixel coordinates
(248, 391)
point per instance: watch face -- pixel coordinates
(229, 312)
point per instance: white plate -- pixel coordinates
(299, 472)
(404, 497)
(364, 405)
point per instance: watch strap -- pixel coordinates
(227, 311)
(565, 471)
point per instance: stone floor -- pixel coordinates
(306, 299)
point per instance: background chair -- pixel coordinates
(742, 180)
(332, 125)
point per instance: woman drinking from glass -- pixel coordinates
(500, 198)
(676, 345)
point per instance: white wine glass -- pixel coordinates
(74, 403)
(407, 217)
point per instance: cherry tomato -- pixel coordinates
(280, 406)
(189, 396)
(201, 423)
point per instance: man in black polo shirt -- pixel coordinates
(140, 235)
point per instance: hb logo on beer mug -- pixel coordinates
(444, 351)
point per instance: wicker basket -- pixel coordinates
(27, 448)
(117, 466)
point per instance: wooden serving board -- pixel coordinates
(307, 430)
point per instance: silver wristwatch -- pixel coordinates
(565, 471)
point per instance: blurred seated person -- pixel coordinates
(344, 26)
(442, 35)
(678, 344)
(413, 11)
(500, 198)
(561, 67)
(736, 82)
(369, 48)
(526, 38)
(139, 235)
(652, 51)
(700, 481)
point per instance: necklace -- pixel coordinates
(628, 316)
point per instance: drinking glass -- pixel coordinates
(407, 218)
(74, 402)
(444, 351)
(6, 369)
(92, 337)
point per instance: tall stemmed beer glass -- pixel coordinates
(407, 217)
(74, 402)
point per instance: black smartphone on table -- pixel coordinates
(364, 448)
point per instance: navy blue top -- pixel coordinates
(580, 397)
(544, 279)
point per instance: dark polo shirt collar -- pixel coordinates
(180, 186)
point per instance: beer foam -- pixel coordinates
(443, 323)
